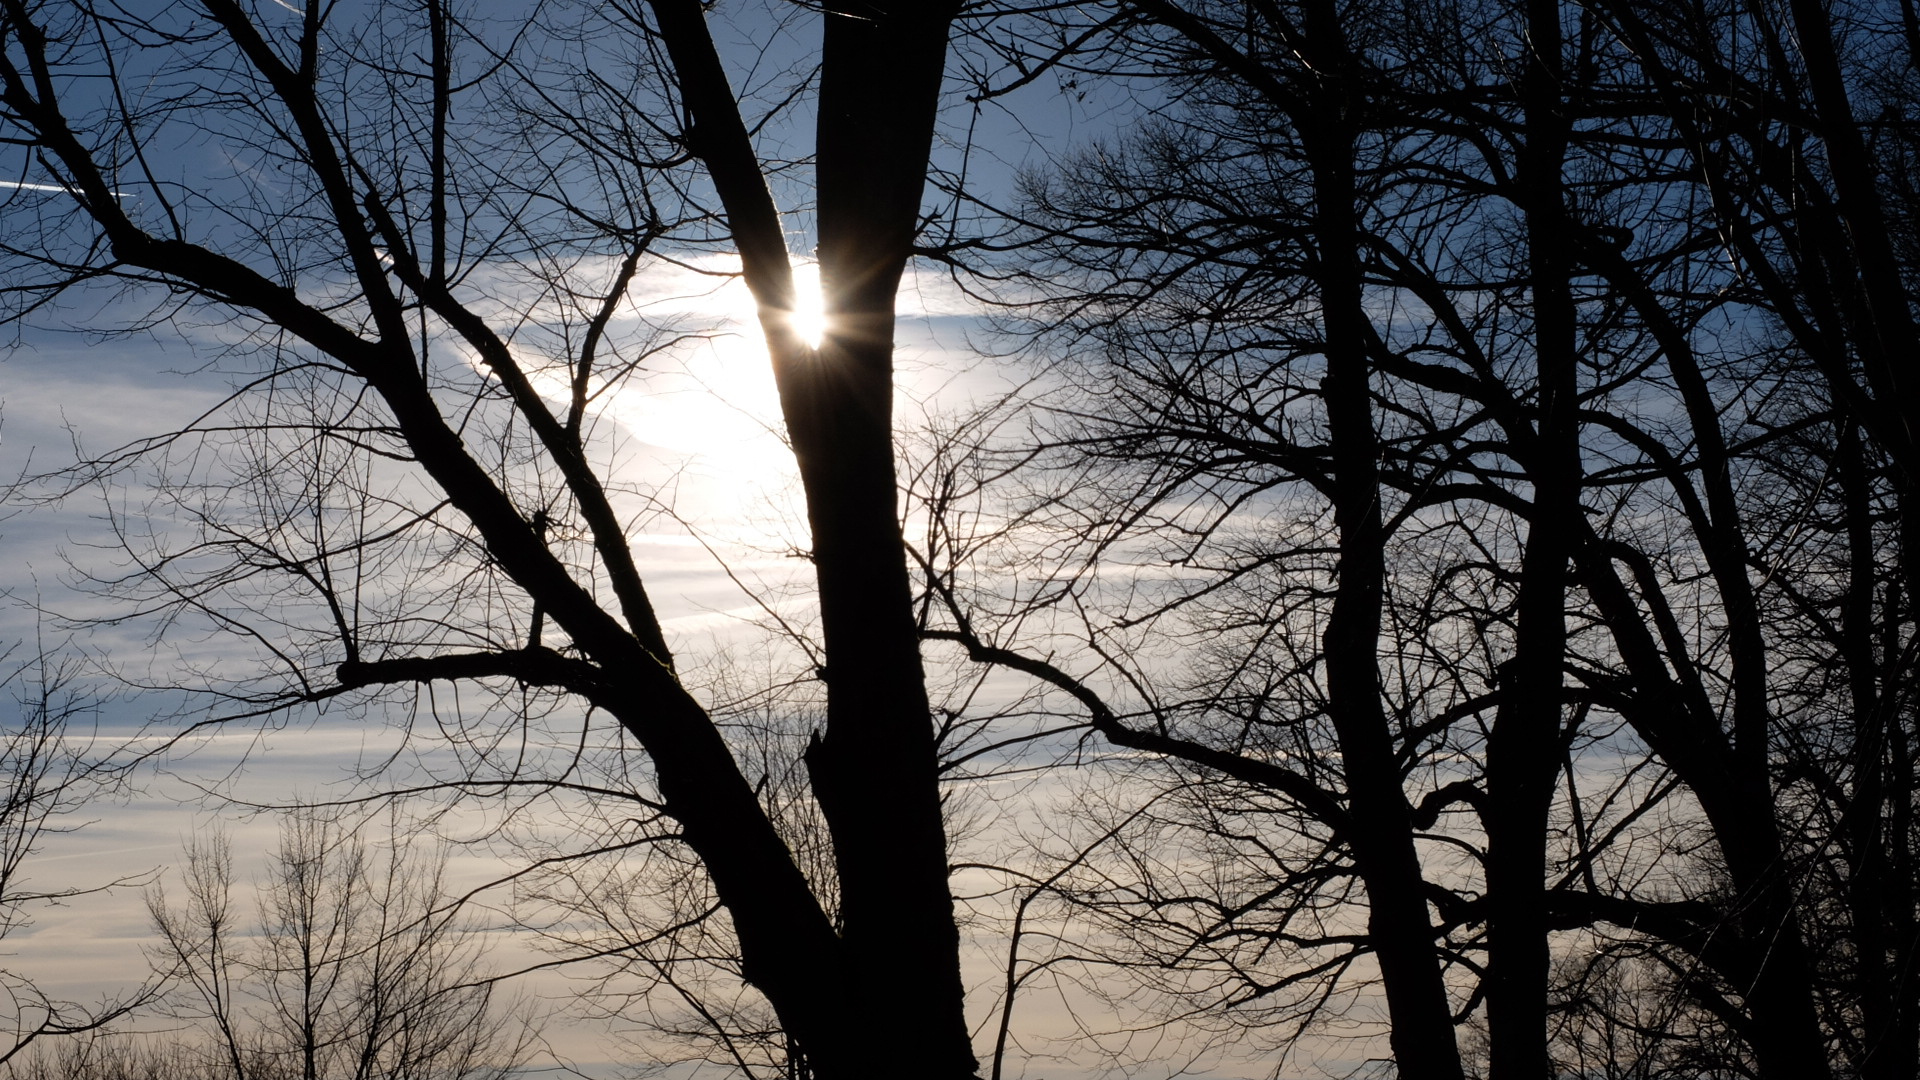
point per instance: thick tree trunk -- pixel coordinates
(1904, 1028)
(874, 770)
(1733, 781)
(1679, 722)
(895, 996)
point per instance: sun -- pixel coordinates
(809, 315)
(808, 319)
(713, 400)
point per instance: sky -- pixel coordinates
(708, 428)
(703, 427)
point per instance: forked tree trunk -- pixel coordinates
(896, 998)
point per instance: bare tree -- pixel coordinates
(355, 963)
(1586, 448)
(45, 775)
(422, 284)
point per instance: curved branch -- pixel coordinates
(1311, 797)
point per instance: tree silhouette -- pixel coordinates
(424, 266)
(1572, 448)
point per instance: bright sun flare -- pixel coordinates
(809, 316)
(716, 400)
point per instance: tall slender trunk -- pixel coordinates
(1326, 108)
(1398, 925)
(1889, 343)
(1523, 747)
(1902, 873)
(1867, 856)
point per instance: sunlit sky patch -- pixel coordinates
(702, 423)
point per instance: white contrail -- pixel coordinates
(22, 185)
